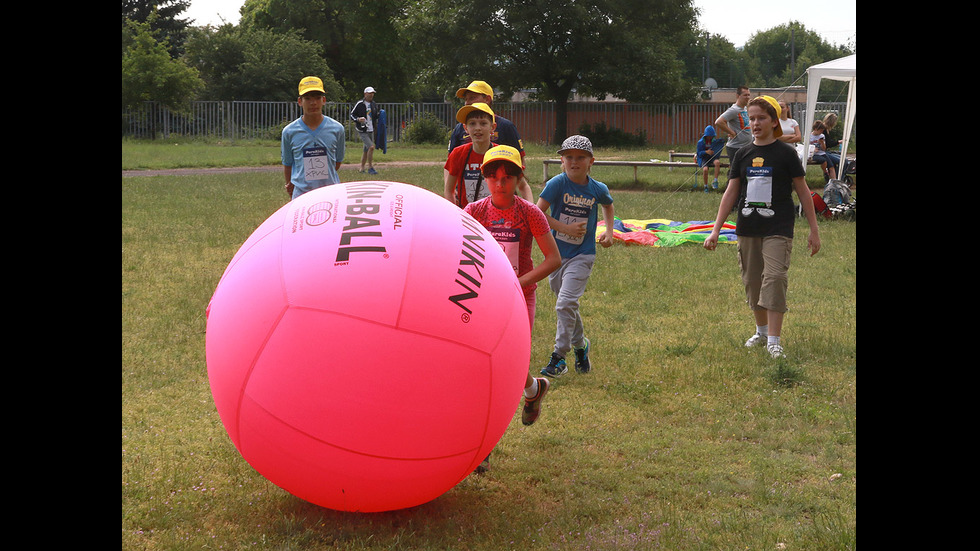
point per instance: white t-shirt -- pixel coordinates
(789, 126)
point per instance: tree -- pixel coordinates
(150, 74)
(358, 40)
(239, 63)
(168, 28)
(772, 53)
(598, 48)
(726, 62)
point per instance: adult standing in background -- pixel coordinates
(734, 123)
(505, 133)
(365, 116)
(313, 145)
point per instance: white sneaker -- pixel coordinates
(775, 350)
(756, 340)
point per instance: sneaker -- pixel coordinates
(556, 367)
(775, 350)
(707, 189)
(372, 171)
(483, 467)
(756, 340)
(582, 364)
(714, 185)
(532, 406)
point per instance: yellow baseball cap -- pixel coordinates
(467, 109)
(477, 86)
(311, 84)
(503, 153)
(778, 130)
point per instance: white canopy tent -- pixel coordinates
(844, 69)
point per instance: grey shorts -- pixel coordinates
(367, 138)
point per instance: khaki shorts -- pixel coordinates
(764, 262)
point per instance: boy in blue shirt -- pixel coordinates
(313, 145)
(574, 199)
(709, 154)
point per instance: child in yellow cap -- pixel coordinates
(313, 146)
(461, 174)
(515, 223)
(762, 178)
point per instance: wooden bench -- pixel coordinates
(671, 154)
(635, 164)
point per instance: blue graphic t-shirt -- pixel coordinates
(572, 203)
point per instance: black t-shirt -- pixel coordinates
(765, 203)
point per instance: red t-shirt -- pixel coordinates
(463, 162)
(514, 229)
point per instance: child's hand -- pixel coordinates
(575, 230)
(813, 243)
(711, 241)
(606, 239)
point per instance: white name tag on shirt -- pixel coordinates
(316, 164)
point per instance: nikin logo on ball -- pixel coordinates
(472, 257)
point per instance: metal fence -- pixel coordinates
(659, 124)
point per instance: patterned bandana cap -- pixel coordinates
(576, 142)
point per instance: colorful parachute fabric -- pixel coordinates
(658, 232)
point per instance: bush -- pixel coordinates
(602, 136)
(426, 129)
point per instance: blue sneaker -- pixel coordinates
(556, 367)
(372, 171)
(582, 364)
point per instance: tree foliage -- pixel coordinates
(247, 63)
(648, 52)
(166, 24)
(771, 53)
(712, 56)
(603, 47)
(358, 40)
(150, 74)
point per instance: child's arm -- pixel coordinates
(606, 239)
(552, 261)
(727, 204)
(450, 186)
(574, 230)
(806, 201)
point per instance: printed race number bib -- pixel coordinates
(316, 164)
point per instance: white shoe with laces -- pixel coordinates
(756, 340)
(775, 350)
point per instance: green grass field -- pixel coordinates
(680, 438)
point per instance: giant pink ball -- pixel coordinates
(367, 346)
